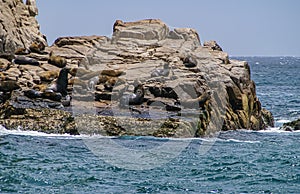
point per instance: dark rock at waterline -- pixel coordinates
(268, 117)
(291, 126)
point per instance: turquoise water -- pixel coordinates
(235, 161)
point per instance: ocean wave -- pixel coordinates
(238, 141)
(283, 121)
(4, 131)
(276, 130)
(19, 131)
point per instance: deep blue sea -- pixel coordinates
(232, 162)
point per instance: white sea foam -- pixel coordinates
(283, 121)
(276, 130)
(4, 131)
(238, 141)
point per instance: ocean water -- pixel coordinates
(231, 162)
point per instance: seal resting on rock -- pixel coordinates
(137, 98)
(22, 60)
(37, 47)
(57, 60)
(197, 102)
(189, 62)
(8, 86)
(22, 51)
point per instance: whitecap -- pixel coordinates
(283, 121)
(4, 131)
(273, 130)
(238, 141)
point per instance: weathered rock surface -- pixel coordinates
(174, 86)
(18, 26)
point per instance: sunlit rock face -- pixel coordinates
(18, 25)
(144, 80)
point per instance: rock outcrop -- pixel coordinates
(18, 25)
(291, 126)
(144, 80)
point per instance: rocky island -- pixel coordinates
(147, 79)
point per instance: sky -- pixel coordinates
(240, 27)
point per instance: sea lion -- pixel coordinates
(7, 56)
(161, 72)
(197, 102)
(55, 96)
(22, 60)
(40, 87)
(37, 47)
(31, 93)
(55, 91)
(4, 96)
(112, 81)
(4, 65)
(8, 86)
(77, 82)
(79, 72)
(189, 62)
(111, 72)
(22, 51)
(57, 60)
(48, 76)
(117, 23)
(213, 45)
(61, 84)
(137, 98)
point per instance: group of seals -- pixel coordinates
(37, 46)
(61, 84)
(55, 91)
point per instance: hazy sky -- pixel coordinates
(242, 28)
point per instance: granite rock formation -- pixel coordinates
(18, 25)
(187, 89)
